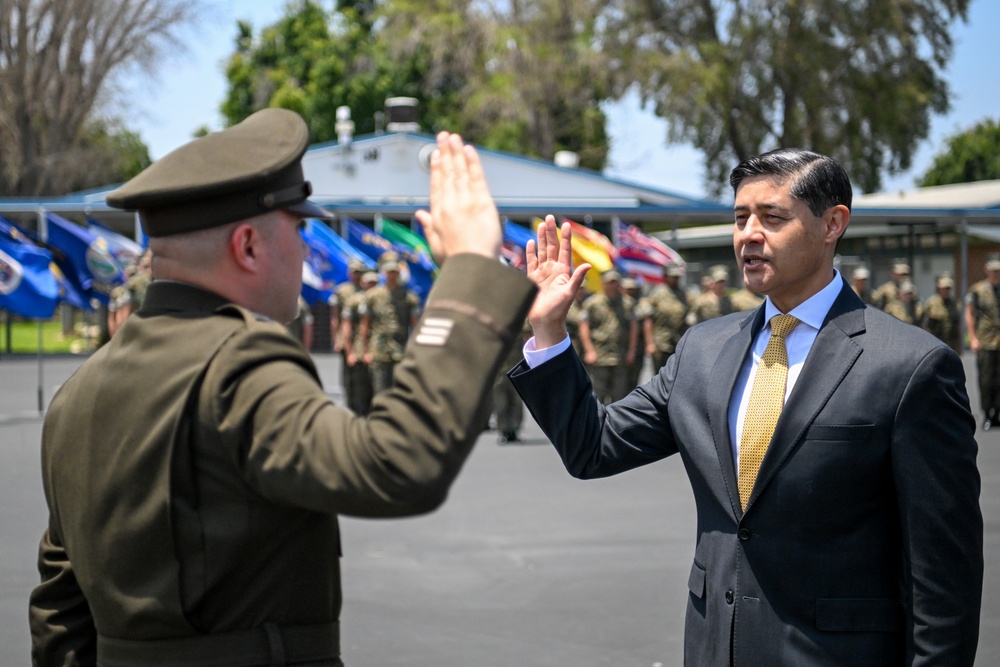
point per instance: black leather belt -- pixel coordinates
(269, 645)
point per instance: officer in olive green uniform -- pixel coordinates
(194, 468)
(357, 376)
(668, 308)
(388, 313)
(942, 314)
(608, 333)
(982, 321)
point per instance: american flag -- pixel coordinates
(643, 255)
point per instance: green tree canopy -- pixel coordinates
(855, 80)
(519, 76)
(973, 155)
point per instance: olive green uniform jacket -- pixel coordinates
(194, 468)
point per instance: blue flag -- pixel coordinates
(413, 271)
(329, 255)
(84, 258)
(27, 287)
(125, 250)
(67, 292)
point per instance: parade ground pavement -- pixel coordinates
(523, 565)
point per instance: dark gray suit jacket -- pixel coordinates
(862, 541)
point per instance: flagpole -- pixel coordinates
(43, 234)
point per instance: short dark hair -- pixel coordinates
(818, 180)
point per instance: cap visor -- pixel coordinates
(307, 209)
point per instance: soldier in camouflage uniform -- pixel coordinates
(508, 409)
(357, 375)
(942, 314)
(126, 298)
(906, 306)
(667, 308)
(982, 320)
(888, 291)
(859, 283)
(640, 312)
(608, 333)
(343, 294)
(388, 314)
(573, 320)
(713, 302)
(744, 299)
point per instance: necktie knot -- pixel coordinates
(782, 325)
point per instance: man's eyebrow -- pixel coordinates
(766, 207)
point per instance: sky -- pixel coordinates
(189, 87)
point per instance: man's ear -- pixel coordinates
(836, 221)
(245, 247)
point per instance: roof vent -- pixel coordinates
(401, 114)
(566, 159)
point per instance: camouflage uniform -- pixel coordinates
(357, 376)
(667, 311)
(744, 299)
(941, 318)
(707, 306)
(610, 323)
(983, 299)
(342, 295)
(390, 314)
(910, 313)
(573, 326)
(507, 406)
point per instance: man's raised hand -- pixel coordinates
(550, 266)
(462, 216)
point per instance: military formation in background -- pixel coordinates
(616, 331)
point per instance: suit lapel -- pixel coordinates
(723, 380)
(832, 355)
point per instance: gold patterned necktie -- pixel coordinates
(766, 400)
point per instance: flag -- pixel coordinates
(336, 242)
(67, 292)
(84, 257)
(329, 265)
(125, 250)
(406, 237)
(643, 255)
(588, 248)
(413, 270)
(27, 287)
(515, 240)
(313, 288)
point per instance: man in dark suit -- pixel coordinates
(194, 468)
(853, 534)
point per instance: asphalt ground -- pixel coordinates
(522, 566)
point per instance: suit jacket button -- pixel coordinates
(744, 534)
(730, 597)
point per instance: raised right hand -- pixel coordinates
(550, 266)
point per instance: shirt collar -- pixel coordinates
(813, 310)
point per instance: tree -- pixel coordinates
(855, 80)
(58, 59)
(518, 76)
(312, 61)
(973, 155)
